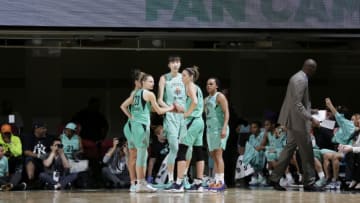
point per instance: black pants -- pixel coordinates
(353, 163)
(117, 179)
(63, 180)
(14, 179)
(302, 140)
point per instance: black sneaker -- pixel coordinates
(195, 188)
(175, 188)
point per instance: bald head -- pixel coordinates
(309, 67)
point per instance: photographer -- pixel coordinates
(116, 171)
(56, 165)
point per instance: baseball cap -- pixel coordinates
(6, 128)
(38, 124)
(71, 126)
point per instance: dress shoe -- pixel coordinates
(276, 186)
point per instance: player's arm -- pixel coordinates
(161, 89)
(221, 99)
(149, 96)
(194, 101)
(124, 106)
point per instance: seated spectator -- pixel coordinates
(115, 172)
(317, 163)
(13, 151)
(159, 149)
(255, 155)
(4, 167)
(243, 131)
(35, 147)
(324, 136)
(5, 181)
(56, 175)
(72, 142)
(331, 162)
(353, 159)
(347, 127)
(274, 142)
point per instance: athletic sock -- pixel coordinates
(321, 175)
(171, 176)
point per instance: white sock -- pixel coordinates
(179, 181)
(221, 177)
(197, 181)
(321, 175)
(216, 177)
(171, 176)
(142, 181)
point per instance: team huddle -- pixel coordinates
(182, 102)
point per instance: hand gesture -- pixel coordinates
(115, 142)
(328, 102)
(178, 108)
(345, 148)
(223, 133)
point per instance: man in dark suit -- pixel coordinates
(295, 115)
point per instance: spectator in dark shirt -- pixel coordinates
(93, 124)
(35, 147)
(159, 148)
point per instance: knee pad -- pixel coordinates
(181, 155)
(198, 153)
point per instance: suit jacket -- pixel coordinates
(295, 112)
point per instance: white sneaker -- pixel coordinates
(254, 181)
(132, 188)
(290, 181)
(321, 182)
(262, 180)
(283, 182)
(144, 187)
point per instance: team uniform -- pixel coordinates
(214, 124)
(275, 146)
(71, 145)
(126, 130)
(194, 123)
(174, 123)
(139, 127)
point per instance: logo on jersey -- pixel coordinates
(39, 149)
(177, 90)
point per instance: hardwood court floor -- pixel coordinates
(231, 195)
